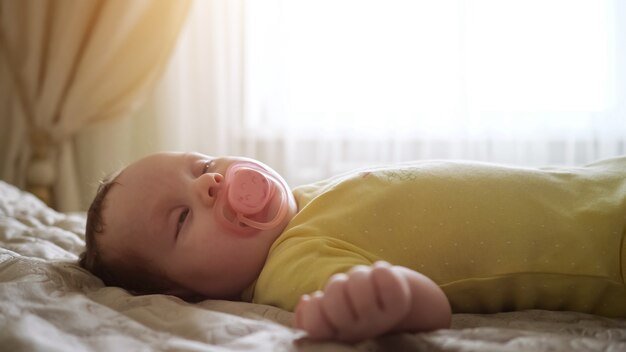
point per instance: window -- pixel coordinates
(317, 87)
(351, 82)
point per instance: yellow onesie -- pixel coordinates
(495, 238)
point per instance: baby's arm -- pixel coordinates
(371, 301)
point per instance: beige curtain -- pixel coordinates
(65, 64)
(196, 106)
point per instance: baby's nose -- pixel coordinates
(209, 186)
(215, 183)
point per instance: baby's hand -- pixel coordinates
(366, 302)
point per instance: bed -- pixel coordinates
(47, 302)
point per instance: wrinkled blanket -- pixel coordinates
(47, 302)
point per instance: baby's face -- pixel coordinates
(162, 210)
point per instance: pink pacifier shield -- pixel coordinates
(247, 202)
(249, 191)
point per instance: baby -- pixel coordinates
(462, 237)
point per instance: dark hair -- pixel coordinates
(127, 271)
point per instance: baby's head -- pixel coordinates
(153, 227)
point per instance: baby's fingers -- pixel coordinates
(392, 291)
(310, 317)
(361, 294)
(336, 304)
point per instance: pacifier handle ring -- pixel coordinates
(265, 225)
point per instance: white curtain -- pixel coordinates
(316, 87)
(355, 82)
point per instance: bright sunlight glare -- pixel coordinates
(433, 61)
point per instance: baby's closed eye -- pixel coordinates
(181, 220)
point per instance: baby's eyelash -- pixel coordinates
(207, 164)
(181, 220)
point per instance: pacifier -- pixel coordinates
(248, 192)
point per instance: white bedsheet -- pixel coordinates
(48, 303)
